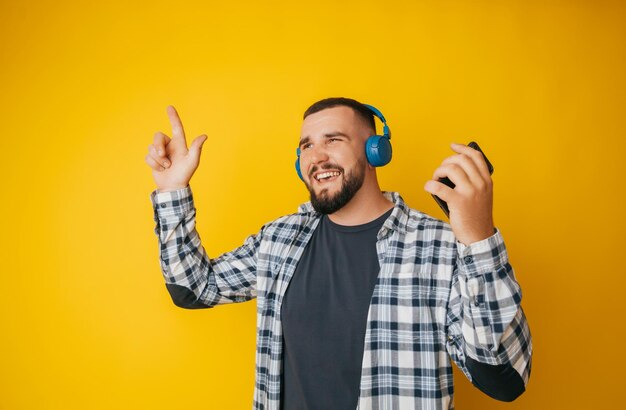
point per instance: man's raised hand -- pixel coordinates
(172, 163)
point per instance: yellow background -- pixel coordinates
(86, 322)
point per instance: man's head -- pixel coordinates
(332, 145)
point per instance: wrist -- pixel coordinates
(161, 190)
(474, 237)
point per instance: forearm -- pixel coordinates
(490, 295)
(496, 342)
(190, 276)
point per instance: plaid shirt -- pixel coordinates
(435, 299)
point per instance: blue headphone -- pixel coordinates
(377, 147)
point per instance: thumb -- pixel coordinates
(196, 145)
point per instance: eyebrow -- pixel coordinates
(307, 139)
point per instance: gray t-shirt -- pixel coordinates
(324, 315)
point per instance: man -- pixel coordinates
(362, 301)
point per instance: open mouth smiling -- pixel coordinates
(326, 176)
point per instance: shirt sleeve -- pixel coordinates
(192, 278)
(487, 332)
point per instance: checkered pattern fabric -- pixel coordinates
(435, 301)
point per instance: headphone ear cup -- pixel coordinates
(298, 169)
(378, 150)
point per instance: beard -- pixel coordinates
(350, 185)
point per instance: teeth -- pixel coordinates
(327, 175)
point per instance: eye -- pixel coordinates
(306, 146)
(333, 139)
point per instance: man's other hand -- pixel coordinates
(471, 200)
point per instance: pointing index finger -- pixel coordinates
(177, 126)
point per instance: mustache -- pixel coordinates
(327, 165)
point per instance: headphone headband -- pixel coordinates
(376, 112)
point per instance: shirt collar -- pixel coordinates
(397, 221)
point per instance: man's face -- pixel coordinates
(332, 158)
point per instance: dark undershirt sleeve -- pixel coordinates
(183, 297)
(500, 382)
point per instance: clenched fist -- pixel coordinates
(172, 163)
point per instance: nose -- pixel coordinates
(317, 154)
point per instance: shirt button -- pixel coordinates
(468, 259)
(163, 205)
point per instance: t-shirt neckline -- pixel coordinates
(358, 228)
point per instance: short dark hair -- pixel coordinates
(361, 110)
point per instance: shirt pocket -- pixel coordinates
(412, 301)
(413, 283)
